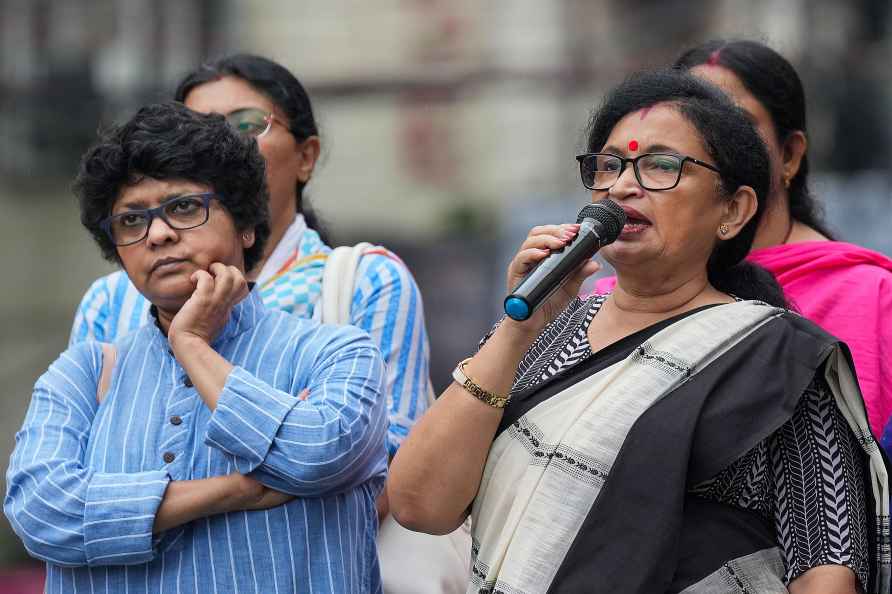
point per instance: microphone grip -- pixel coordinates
(548, 276)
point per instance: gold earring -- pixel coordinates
(786, 183)
(723, 229)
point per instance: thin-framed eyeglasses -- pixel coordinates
(251, 121)
(654, 171)
(180, 212)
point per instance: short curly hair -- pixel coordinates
(169, 141)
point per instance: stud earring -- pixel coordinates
(723, 229)
(786, 183)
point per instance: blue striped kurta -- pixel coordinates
(85, 480)
(386, 304)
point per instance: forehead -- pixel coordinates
(662, 125)
(226, 95)
(149, 192)
(729, 82)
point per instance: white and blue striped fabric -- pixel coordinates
(386, 304)
(85, 480)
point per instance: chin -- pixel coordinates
(169, 295)
(622, 251)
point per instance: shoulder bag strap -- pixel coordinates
(338, 282)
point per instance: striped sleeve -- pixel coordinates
(91, 315)
(387, 304)
(65, 513)
(330, 442)
(111, 308)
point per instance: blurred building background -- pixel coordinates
(449, 127)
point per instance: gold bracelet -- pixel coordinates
(494, 400)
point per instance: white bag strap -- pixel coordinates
(109, 355)
(338, 282)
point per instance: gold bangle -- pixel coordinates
(494, 400)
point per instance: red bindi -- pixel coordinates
(714, 58)
(633, 145)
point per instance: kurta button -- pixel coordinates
(169, 457)
(187, 382)
(175, 420)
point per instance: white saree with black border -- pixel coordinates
(586, 486)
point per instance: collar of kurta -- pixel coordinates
(245, 314)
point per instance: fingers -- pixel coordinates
(273, 498)
(204, 284)
(556, 230)
(230, 285)
(204, 314)
(550, 236)
(246, 489)
(223, 282)
(526, 260)
(251, 494)
(269, 498)
(539, 243)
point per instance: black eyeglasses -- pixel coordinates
(180, 212)
(654, 171)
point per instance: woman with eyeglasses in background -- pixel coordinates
(263, 100)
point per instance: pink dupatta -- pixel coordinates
(847, 290)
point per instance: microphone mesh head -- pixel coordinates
(607, 212)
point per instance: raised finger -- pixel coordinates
(565, 230)
(204, 284)
(223, 282)
(526, 259)
(544, 242)
(240, 288)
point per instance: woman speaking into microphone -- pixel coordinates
(685, 433)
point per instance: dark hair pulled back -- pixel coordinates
(773, 81)
(276, 82)
(734, 145)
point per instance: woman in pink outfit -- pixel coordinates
(847, 290)
(844, 288)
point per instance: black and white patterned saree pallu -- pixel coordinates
(588, 485)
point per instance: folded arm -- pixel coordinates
(71, 515)
(328, 442)
(64, 512)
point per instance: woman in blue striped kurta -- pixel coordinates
(264, 100)
(185, 457)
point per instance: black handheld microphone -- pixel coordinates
(600, 225)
